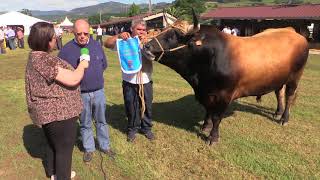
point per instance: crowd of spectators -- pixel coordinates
(12, 37)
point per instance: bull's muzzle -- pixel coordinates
(146, 52)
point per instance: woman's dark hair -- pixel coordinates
(41, 34)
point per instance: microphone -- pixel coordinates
(84, 54)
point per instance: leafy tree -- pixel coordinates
(26, 12)
(95, 19)
(288, 1)
(134, 10)
(183, 8)
(176, 12)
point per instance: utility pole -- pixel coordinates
(150, 6)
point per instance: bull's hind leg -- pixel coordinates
(280, 94)
(290, 96)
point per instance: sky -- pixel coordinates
(48, 5)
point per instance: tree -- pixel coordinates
(26, 12)
(176, 12)
(184, 7)
(134, 10)
(95, 19)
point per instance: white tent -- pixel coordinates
(16, 18)
(66, 23)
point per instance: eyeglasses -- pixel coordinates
(80, 33)
(141, 29)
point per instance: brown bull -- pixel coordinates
(221, 67)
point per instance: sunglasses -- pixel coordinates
(80, 33)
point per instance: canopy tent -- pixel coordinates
(66, 23)
(14, 18)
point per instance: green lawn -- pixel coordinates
(252, 146)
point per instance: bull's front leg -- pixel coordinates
(216, 105)
(207, 124)
(213, 137)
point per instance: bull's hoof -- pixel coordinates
(206, 129)
(276, 116)
(284, 123)
(212, 140)
(258, 99)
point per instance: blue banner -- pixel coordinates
(129, 54)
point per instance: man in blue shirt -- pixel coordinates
(92, 89)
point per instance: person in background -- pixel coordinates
(53, 99)
(58, 31)
(91, 32)
(227, 30)
(99, 35)
(131, 85)
(20, 36)
(2, 41)
(92, 90)
(11, 35)
(235, 31)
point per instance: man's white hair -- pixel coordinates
(136, 22)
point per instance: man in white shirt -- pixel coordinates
(99, 35)
(58, 31)
(2, 36)
(227, 30)
(235, 31)
(133, 83)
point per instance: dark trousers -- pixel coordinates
(21, 43)
(61, 136)
(99, 39)
(133, 106)
(59, 42)
(12, 45)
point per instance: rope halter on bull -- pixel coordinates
(169, 50)
(183, 26)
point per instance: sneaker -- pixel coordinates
(110, 153)
(73, 174)
(149, 135)
(87, 156)
(131, 136)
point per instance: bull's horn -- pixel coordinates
(165, 18)
(196, 26)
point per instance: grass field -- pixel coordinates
(252, 146)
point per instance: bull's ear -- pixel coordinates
(196, 26)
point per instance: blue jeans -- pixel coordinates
(12, 43)
(94, 107)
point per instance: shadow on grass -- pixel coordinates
(184, 113)
(35, 143)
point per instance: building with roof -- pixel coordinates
(254, 19)
(153, 20)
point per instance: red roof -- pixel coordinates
(305, 11)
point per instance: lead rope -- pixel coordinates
(141, 94)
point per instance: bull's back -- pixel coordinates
(265, 61)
